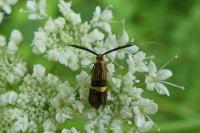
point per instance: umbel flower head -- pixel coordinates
(11, 66)
(45, 100)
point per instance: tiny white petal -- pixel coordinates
(147, 126)
(151, 107)
(133, 49)
(139, 119)
(161, 89)
(152, 68)
(107, 27)
(124, 38)
(106, 15)
(164, 74)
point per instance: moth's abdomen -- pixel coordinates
(97, 98)
(98, 90)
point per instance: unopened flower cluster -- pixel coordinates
(42, 101)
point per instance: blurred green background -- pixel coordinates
(174, 24)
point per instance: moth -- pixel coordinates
(98, 89)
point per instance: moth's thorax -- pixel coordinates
(99, 58)
(99, 72)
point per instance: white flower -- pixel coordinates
(128, 80)
(16, 36)
(116, 126)
(20, 69)
(60, 22)
(69, 58)
(101, 19)
(70, 15)
(143, 108)
(135, 93)
(12, 47)
(78, 107)
(21, 120)
(53, 55)
(50, 26)
(96, 35)
(86, 62)
(54, 25)
(36, 10)
(38, 71)
(8, 98)
(49, 126)
(155, 78)
(63, 115)
(126, 112)
(39, 42)
(116, 84)
(136, 63)
(146, 126)
(84, 81)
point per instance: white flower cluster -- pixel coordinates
(36, 9)
(125, 101)
(6, 121)
(12, 68)
(44, 100)
(5, 7)
(53, 39)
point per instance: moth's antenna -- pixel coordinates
(83, 48)
(118, 48)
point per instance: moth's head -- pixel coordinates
(99, 57)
